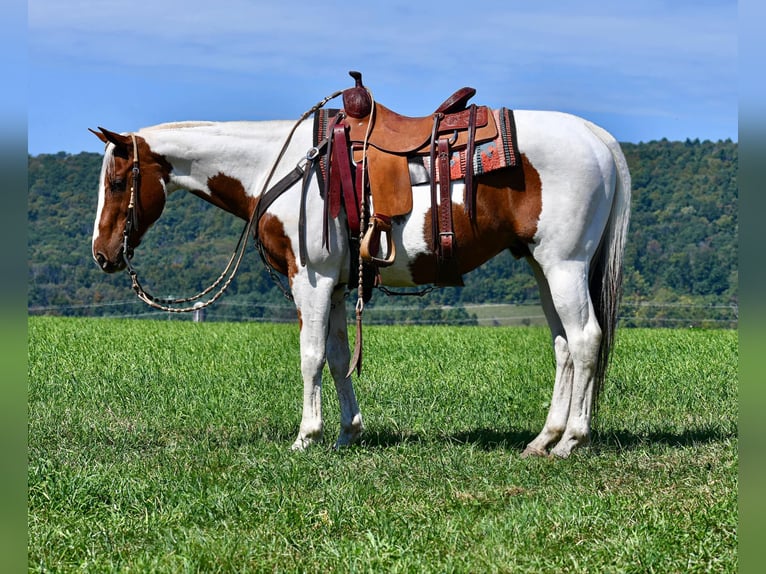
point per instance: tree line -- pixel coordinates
(681, 252)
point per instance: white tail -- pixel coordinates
(606, 267)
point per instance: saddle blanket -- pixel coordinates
(489, 156)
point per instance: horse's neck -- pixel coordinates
(226, 163)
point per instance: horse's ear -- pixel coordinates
(99, 135)
(107, 136)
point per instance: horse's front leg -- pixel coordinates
(313, 301)
(338, 357)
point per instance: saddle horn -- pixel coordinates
(357, 101)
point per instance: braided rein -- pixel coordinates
(227, 275)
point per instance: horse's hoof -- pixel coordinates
(350, 433)
(347, 439)
(299, 446)
(568, 444)
(303, 443)
(561, 453)
(565, 448)
(532, 451)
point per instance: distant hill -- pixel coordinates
(681, 253)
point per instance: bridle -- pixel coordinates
(164, 303)
(131, 220)
(267, 197)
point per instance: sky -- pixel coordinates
(643, 70)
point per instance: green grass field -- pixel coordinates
(163, 446)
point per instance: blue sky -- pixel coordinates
(643, 70)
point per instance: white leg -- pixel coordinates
(576, 338)
(313, 303)
(569, 290)
(558, 413)
(338, 357)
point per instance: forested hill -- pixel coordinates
(681, 251)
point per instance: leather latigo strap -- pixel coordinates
(342, 175)
(341, 180)
(443, 236)
(446, 235)
(434, 199)
(470, 194)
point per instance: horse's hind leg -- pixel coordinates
(576, 347)
(338, 357)
(555, 423)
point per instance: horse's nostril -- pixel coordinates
(101, 260)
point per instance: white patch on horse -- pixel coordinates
(106, 165)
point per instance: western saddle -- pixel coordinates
(369, 151)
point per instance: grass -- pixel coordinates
(507, 315)
(164, 446)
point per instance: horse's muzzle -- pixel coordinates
(111, 266)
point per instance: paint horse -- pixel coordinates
(565, 209)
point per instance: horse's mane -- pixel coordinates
(177, 125)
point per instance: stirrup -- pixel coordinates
(371, 241)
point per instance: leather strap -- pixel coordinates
(434, 200)
(470, 192)
(446, 235)
(352, 200)
(340, 169)
(302, 249)
(341, 181)
(443, 236)
(343, 162)
(330, 190)
(273, 194)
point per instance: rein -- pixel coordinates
(266, 198)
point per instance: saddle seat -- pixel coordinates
(397, 134)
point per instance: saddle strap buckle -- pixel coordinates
(446, 244)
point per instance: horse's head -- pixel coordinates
(131, 196)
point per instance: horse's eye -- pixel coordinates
(117, 185)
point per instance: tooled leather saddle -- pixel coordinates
(375, 152)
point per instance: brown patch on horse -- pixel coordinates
(526, 204)
(229, 194)
(277, 246)
(508, 206)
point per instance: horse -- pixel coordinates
(565, 209)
